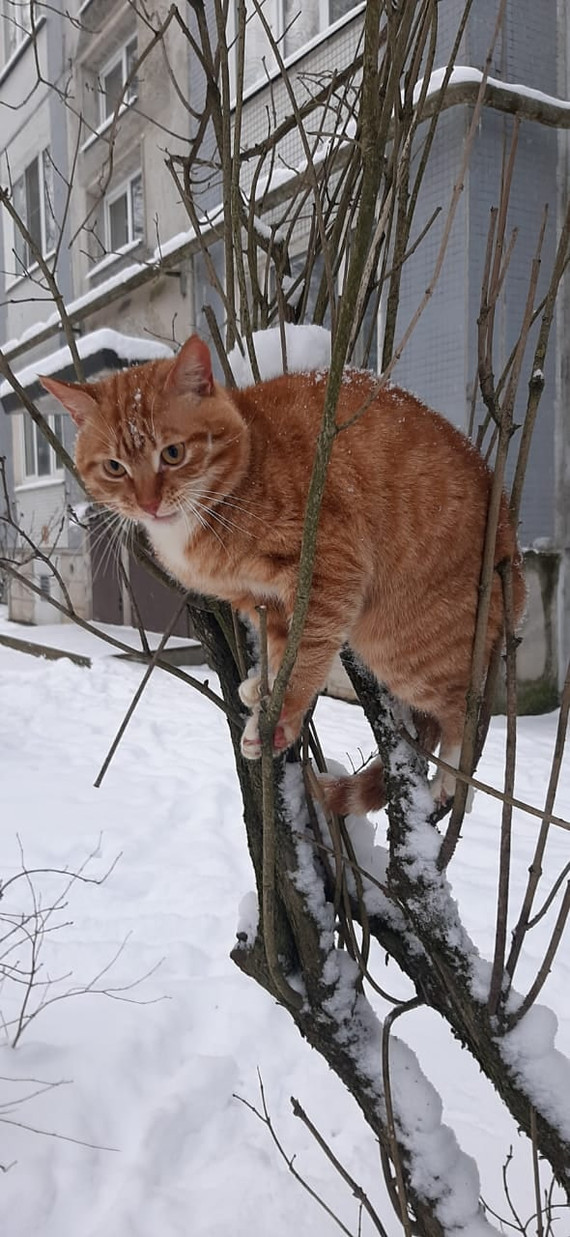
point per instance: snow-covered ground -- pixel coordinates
(147, 1077)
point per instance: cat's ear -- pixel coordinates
(191, 373)
(75, 397)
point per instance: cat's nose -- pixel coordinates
(150, 505)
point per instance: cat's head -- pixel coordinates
(158, 441)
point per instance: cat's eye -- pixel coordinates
(113, 468)
(173, 454)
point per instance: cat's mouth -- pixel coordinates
(168, 518)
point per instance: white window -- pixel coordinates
(293, 24)
(124, 215)
(17, 22)
(112, 78)
(33, 199)
(40, 459)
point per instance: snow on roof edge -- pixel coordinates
(465, 74)
(129, 347)
(461, 74)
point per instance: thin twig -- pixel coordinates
(154, 661)
(289, 1160)
(359, 1193)
(546, 965)
(176, 671)
(497, 973)
(535, 870)
(536, 1174)
(394, 1143)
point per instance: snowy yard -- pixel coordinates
(148, 1081)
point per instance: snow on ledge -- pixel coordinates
(307, 347)
(128, 347)
(178, 246)
(463, 75)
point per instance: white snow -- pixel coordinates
(542, 1069)
(74, 639)
(465, 73)
(128, 348)
(248, 917)
(154, 1076)
(307, 348)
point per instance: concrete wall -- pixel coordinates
(32, 120)
(71, 54)
(25, 606)
(537, 656)
(109, 154)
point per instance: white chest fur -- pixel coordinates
(170, 542)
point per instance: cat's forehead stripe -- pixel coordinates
(134, 424)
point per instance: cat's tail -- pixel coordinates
(365, 791)
(355, 794)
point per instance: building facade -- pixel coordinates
(93, 104)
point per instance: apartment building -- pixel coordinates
(80, 156)
(84, 145)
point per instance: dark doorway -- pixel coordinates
(154, 602)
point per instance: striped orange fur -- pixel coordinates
(219, 480)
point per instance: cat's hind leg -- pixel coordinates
(442, 785)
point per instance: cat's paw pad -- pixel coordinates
(282, 738)
(284, 735)
(250, 743)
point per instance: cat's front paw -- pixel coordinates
(285, 734)
(250, 743)
(248, 691)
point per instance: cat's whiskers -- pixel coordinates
(225, 522)
(115, 529)
(187, 508)
(199, 511)
(184, 514)
(233, 500)
(106, 521)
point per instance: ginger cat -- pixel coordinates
(219, 481)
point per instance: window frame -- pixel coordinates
(121, 58)
(15, 33)
(24, 262)
(122, 190)
(56, 470)
(289, 56)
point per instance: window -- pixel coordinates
(112, 78)
(33, 200)
(17, 22)
(293, 23)
(124, 216)
(40, 459)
